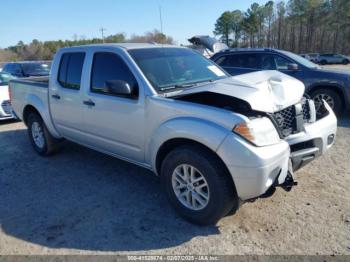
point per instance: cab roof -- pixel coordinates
(129, 46)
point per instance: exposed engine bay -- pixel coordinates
(218, 100)
(288, 121)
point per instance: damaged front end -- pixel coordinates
(309, 132)
(286, 185)
(292, 123)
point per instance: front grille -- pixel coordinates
(287, 121)
(6, 107)
(306, 110)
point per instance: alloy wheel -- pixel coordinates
(318, 100)
(190, 187)
(38, 135)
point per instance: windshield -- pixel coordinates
(168, 68)
(5, 78)
(300, 60)
(34, 69)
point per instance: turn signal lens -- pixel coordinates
(243, 130)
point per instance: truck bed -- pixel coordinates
(42, 81)
(29, 91)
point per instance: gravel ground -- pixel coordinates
(83, 202)
(341, 67)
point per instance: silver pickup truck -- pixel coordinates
(214, 140)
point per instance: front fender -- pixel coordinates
(204, 132)
(34, 101)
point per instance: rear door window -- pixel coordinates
(14, 69)
(71, 68)
(267, 62)
(240, 60)
(8, 68)
(17, 69)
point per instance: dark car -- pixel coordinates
(27, 69)
(331, 85)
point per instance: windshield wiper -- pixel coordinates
(188, 85)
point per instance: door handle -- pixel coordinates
(89, 103)
(56, 97)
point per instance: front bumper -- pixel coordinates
(314, 141)
(254, 169)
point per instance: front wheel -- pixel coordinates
(345, 61)
(198, 185)
(331, 97)
(41, 139)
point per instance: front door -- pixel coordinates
(114, 124)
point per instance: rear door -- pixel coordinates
(240, 63)
(66, 95)
(114, 124)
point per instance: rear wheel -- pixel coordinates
(323, 62)
(331, 97)
(41, 139)
(198, 185)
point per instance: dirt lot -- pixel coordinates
(82, 202)
(341, 67)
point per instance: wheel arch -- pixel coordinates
(27, 110)
(30, 108)
(198, 130)
(174, 143)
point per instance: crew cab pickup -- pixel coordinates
(214, 140)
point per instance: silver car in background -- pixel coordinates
(324, 59)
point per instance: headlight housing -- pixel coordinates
(259, 131)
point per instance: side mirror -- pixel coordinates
(120, 88)
(293, 67)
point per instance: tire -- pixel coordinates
(345, 61)
(221, 193)
(323, 62)
(45, 145)
(332, 97)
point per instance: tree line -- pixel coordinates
(300, 26)
(38, 50)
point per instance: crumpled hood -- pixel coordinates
(266, 91)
